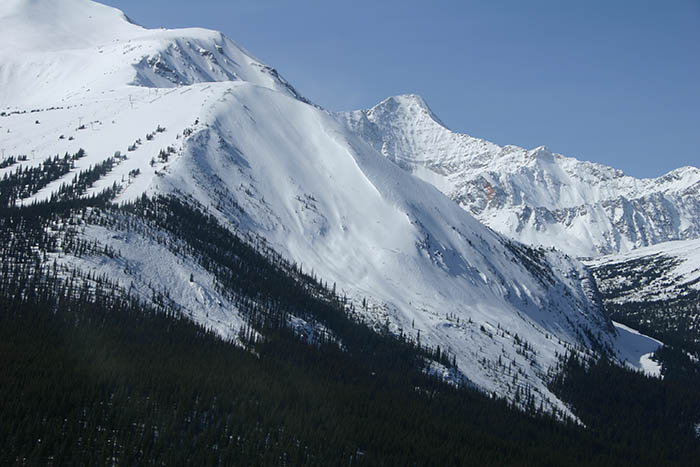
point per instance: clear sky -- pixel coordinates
(616, 82)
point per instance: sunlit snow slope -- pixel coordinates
(535, 196)
(189, 112)
(53, 51)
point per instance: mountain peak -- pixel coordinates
(62, 48)
(408, 104)
(409, 99)
(686, 170)
(541, 153)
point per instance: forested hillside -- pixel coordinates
(90, 373)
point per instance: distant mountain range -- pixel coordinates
(535, 196)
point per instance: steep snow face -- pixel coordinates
(264, 161)
(324, 198)
(536, 196)
(54, 50)
(642, 350)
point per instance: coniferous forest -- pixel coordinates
(91, 374)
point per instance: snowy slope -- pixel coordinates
(656, 288)
(239, 140)
(535, 196)
(641, 350)
(55, 50)
(657, 273)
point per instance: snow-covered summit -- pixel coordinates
(55, 49)
(536, 196)
(50, 25)
(408, 105)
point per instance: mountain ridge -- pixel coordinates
(60, 49)
(536, 196)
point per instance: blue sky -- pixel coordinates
(616, 82)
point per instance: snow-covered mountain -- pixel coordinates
(54, 51)
(536, 196)
(189, 113)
